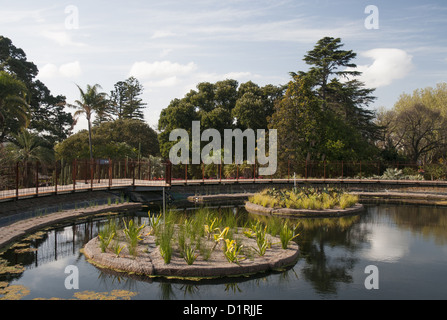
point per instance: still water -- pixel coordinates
(407, 244)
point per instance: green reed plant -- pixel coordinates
(106, 234)
(189, 253)
(154, 222)
(104, 240)
(133, 235)
(165, 241)
(286, 235)
(262, 241)
(212, 226)
(117, 248)
(232, 251)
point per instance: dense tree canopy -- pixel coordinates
(221, 105)
(125, 101)
(415, 129)
(14, 107)
(46, 112)
(324, 114)
(114, 139)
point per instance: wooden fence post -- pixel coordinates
(17, 180)
(73, 172)
(37, 178)
(55, 179)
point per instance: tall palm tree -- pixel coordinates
(91, 101)
(13, 104)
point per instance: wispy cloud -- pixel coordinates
(160, 69)
(163, 34)
(62, 38)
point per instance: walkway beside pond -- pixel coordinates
(15, 231)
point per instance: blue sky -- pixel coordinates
(171, 46)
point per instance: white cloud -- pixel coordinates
(388, 65)
(387, 244)
(239, 75)
(67, 70)
(161, 69)
(16, 16)
(162, 34)
(48, 71)
(167, 82)
(62, 38)
(165, 52)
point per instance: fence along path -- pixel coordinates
(32, 179)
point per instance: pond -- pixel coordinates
(407, 245)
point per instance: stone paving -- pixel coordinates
(15, 231)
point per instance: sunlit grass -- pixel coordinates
(305, 198)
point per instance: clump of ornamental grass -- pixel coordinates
(133, 236)
(348, 200)
(304, 198)
(165, 240)
(287, 234)
(106, 234)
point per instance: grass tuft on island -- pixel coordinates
(304, 198)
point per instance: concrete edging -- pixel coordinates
(302, 213)
(17, 230)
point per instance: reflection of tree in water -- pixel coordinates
(325, 269)
(428, 221)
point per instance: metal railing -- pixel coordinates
(28, 179)
(32, 179)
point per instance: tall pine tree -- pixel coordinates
(125, 99)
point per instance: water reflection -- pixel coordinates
(328, 247)
(333, 254)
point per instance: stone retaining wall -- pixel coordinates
(301, 213)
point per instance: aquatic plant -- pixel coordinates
(304, 198)
(106, 234)
(5, 269)
(189, 254)
(286, 235)
(12, 292)
(165, 238)
(348, 200)
(113, 295)
(232, 251)
(133, 235)
(117, 248)
(262, 241)
(211, 227)
(154, 222)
